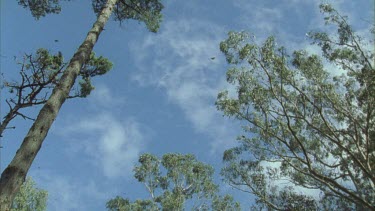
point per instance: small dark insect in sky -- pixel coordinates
(56, 40)
(212, 58)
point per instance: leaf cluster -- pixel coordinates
(39, 74)
(30, 198)
(41, 8)
(182, 179)
(147, 11)
(307, 127)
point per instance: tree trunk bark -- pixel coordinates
(14, 175)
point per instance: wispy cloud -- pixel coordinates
(111, 143)
(103, 98)
(178, 58)
(187, 64)
(114, 145)
(67, 193)
(101, 138)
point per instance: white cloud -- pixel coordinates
(177, 59)
(62, 194)
(287, 20)
(181, 64)
(112, 144)
(67, 193)
(103, 97)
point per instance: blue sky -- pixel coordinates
(158, 98)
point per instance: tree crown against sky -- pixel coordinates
(103, 189)
(147, 11)
(175, 182)
(39, 74)
(30, 198)
(308, 125)
(48, 67)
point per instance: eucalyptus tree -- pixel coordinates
(39, 74)
(178, 183)
(30, 198)
(310, 120)
(147, 11)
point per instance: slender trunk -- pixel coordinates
(14, 175)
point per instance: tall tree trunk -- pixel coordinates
(14, 175)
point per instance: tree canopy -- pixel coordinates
(183, 182)
(40, 9)
(30, 198)
(147, 11)
(310, 128)
(308, 122)
(39, 74)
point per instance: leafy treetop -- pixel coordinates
(183, 182)
(147, 11)
(306, 126)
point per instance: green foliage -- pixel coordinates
(306, 125)
(42, 71)
(147, 11)
(225, 203)
(30, 198)
(42, 67)
(47, 62)
(95, 66)
(182, 179)
(15, 173)
(85, 87)
(40, 8)
(118, 203)
(38, 73)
